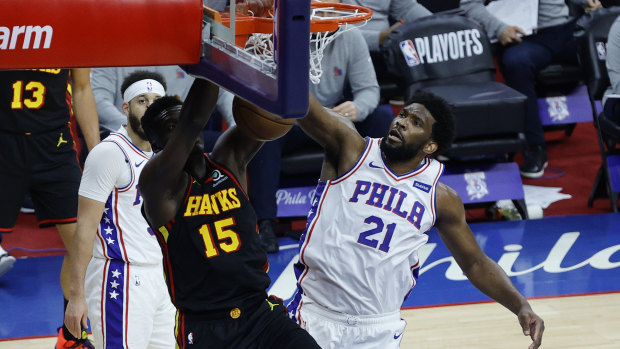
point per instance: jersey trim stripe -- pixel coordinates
(103, 248)
(310, 230)
(414, 278)
(121, 240)
(357, 165)
(57, 221)
(434, 195)
(104, 281)
(166, 256)
(115, 300)
(131, 171)
(126, 305)
(130, 144)
(423, 166)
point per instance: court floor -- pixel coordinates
(568, 266)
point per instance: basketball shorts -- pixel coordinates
(129, 305)
(333, 330)
(45, 165)
(262, 325)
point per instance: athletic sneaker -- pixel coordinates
(535, 162)
(27, 206)
(73, 343)
(6, 263)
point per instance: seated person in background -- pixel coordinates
(346, 66)
(523, 57)
(106, 83)
(379, 27)
(612, 105)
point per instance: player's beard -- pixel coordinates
(136, 126)
(402, 152)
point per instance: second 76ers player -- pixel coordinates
(374, 203)
(117, 273)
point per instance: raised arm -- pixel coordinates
(163, 178)
(483, 272)
(342, 144)
(234, 149)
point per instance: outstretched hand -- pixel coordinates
(532, 326)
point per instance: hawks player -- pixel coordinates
(38, 153)
(206, 227)
(128, 303)
(375, 202)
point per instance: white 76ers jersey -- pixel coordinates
(358, 254)
(123, 233)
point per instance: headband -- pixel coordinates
(142, 87)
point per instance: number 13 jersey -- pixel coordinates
(358, 254)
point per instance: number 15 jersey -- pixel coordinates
(358, 254)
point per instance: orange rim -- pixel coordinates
(363, 14)
(246, 25)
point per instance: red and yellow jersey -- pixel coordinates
(34, 101)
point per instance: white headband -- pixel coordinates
(142, 87)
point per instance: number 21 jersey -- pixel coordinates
(359, 251)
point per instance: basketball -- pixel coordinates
(257, 123)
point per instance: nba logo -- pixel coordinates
(600, 49)
(149, 86)
(410, 53)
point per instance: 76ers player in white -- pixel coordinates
(375, 202)
(128, 301)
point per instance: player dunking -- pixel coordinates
(375, 202)
(128, 303)
(196, 203)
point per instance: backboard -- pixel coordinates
(87, 33)
(281, 86)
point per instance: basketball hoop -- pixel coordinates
(254, 35)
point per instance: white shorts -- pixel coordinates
(333, 330)
(129, 305)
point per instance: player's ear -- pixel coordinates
(125, 108)
(430, 147)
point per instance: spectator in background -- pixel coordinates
(380, 25)
(612, 105)
(522, 57)
(107, 82)
(38, 154)
(349, 87)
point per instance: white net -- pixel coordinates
(261, 45)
